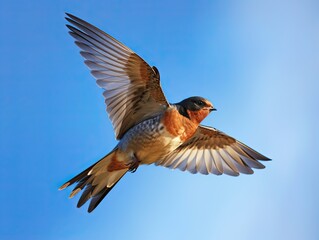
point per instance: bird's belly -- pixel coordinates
(153, 151)
(149, 141)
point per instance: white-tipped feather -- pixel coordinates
(215, 165)
(208, 160)
(218, 161)
(201, 162)
(182, 159)
(191, 161)
(228, 161)
(182, 165)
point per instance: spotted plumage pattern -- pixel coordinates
(149, 129)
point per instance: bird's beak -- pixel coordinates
(212, 109)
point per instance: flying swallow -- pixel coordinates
(148, 128)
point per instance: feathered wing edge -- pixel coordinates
(212, 151)
(132, 87)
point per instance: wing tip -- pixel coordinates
(261, 157)
(266, 159)
(70, 16)
(232, 174)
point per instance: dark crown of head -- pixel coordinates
(192, 104)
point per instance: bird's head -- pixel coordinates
(195, 108)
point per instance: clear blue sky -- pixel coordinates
(257, 61)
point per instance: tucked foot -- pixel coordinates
(133, 165)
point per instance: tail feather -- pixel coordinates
(86, 195)
(99, 197)
(96, 181)
(81, 176)
(81, 184)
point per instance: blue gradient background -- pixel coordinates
(257, 61)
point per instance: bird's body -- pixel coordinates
(149, 129)
(149, 134)
(161, 134)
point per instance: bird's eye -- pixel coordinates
(200, 103)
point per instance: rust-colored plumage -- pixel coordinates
(149, 129)
(116, 165)
(198, 116)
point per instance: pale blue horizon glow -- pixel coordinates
(257, 61)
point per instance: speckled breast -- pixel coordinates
(149, 140)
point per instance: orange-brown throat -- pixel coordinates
(179, 125)
(198, 116)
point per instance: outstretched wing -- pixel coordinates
(211, 151)
(132, 88)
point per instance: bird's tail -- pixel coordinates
(98, 180)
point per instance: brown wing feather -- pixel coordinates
(216, 153)
(132, 88)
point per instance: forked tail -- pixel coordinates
(97, 180)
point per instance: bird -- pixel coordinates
(149, 129)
